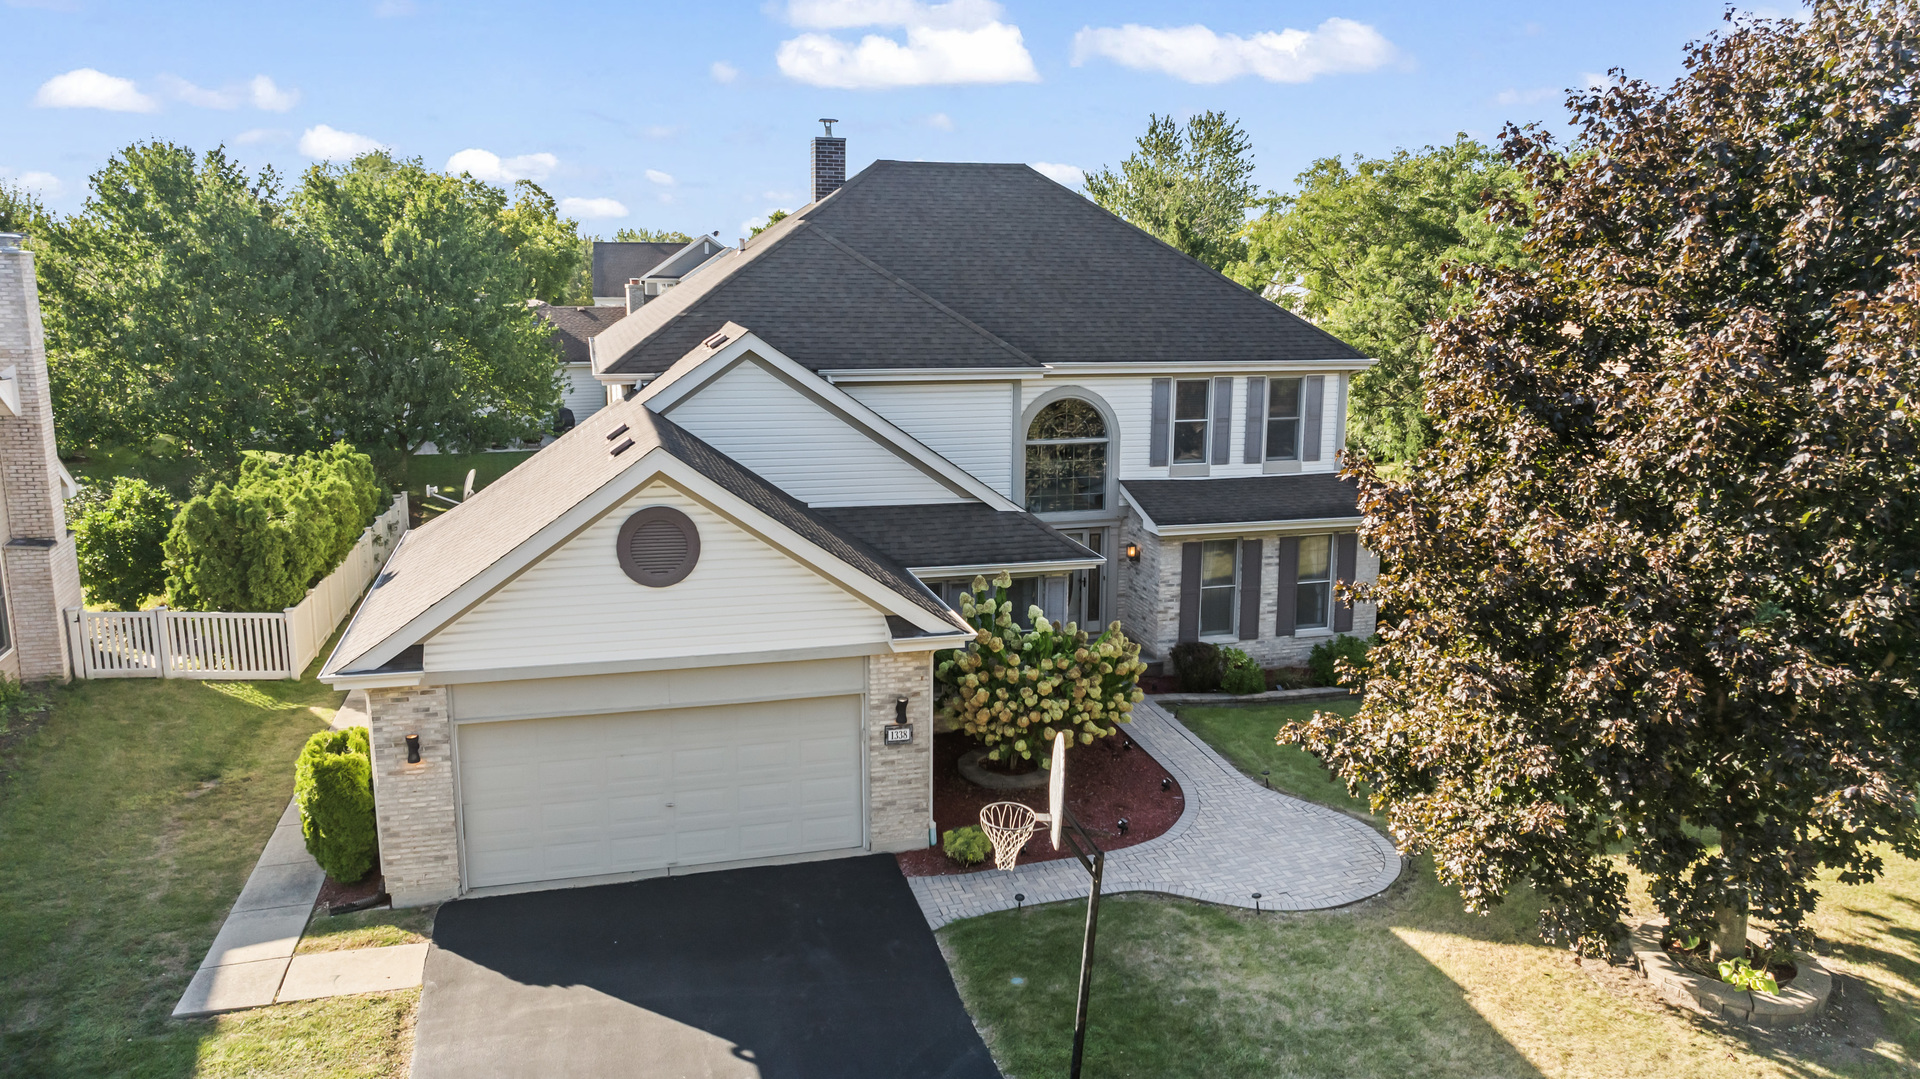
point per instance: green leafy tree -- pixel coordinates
(333, 785)
(431, 337)
(773, 219)
(259, 543)
(546, 245)
(1362, 250)
(1014, 689)
(657, 236)
(22, 211)
(1190, 188)
(118, 540)
(1655, 580)
(180, 302)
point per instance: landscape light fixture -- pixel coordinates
(1264, 773)
(1166, 783)
(1133, 552)
(1256, 902)
(1124, 825)
(413, 749)
(1019, 901)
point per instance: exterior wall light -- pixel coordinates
(899, 709)
(1133, 552)
(413, 749)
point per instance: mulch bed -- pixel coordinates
(334, 892)
(1105, 782)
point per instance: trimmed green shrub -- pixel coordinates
(333, 782)
(261, 542)
(1241, 674)
(1197, 666)
(118, 539)
(1012, 690)
(968, 845)
(1327, 654)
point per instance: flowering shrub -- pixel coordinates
(1013, 689)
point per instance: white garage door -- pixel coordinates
(547, 799)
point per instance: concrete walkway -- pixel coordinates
(1235, 838)
(251, 962)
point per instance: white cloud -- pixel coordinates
(1070, 175)
(327, 144)
(491, 167)
(723, 71)
(193, 95)
(962, 41)
(940, 121)
(1594, 80)
(1197, 54)
(268, 97)
(262, 134)
(46, 183)
(593, 208)
(662, 178)
(661, 131)
(85, 88)
(1523, 97)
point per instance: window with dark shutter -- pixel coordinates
(658, 546)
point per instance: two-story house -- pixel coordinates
(698, 631)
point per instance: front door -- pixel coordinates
(1086, 589)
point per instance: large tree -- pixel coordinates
(431, 337)
(1191, 188)
(1653, 588)
(1361, 249)
(180, 303)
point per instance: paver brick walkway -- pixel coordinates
(1235, 838)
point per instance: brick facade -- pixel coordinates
(419, 836)
(42, 575)
(900, 778)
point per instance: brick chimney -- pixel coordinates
(829, 162)
(42, 576)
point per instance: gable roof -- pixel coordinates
(1234, 500)
(615, 262)
(476, 538)
(573, 327)
(946, 535)
(885, 270)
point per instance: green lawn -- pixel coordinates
(129, 822)
(1243, 733)
(448, 471)
(366, 929)
(1403, 985)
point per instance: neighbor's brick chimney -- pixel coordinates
(829, 162)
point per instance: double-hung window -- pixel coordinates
(1314, 584)
(1283, 419)
(1219, 587)
(1191, 399)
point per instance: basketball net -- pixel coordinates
(1010, 824)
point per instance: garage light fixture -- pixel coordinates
(413, 749)
(1133, 552)
(900, 710)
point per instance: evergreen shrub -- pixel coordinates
(118, 539)
(1324, 659)
(968, 845)
(333, 783)
(1197, 666)
(260, 543)
(1240, 674)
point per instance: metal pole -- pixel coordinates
(1096, 869)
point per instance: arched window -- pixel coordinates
(1067, 458)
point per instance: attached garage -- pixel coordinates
(588, 796)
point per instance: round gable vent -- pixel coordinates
(658, 546)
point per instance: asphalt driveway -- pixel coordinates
(824, 969)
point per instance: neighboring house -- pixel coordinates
(39, 574)
(685, 634)
(629, 274)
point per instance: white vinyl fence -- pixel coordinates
(206, 644)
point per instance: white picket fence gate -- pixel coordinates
(208, 644)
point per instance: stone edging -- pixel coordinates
(1796, 1003)
(971, 771)
(1315, 693)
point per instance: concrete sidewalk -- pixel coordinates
(249, 957)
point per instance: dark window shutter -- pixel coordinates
(1189, 592)
(1286, 583)
(1249, 589)
(1162, 422)
(1312, 388)
(1346, 554)
(1222, 421)
(1256, 420)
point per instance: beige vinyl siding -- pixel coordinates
(968, 423)
(582, 393)
(577, 606)
(786, 437)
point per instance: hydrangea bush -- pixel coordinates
(1013, 689)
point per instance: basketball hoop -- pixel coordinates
(1008, 825)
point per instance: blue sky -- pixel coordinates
(696, 115)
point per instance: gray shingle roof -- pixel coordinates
(617, 262)
(1044, 271)
(574, 326)
(436, 559)
(954, 534)
(1244, 499)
